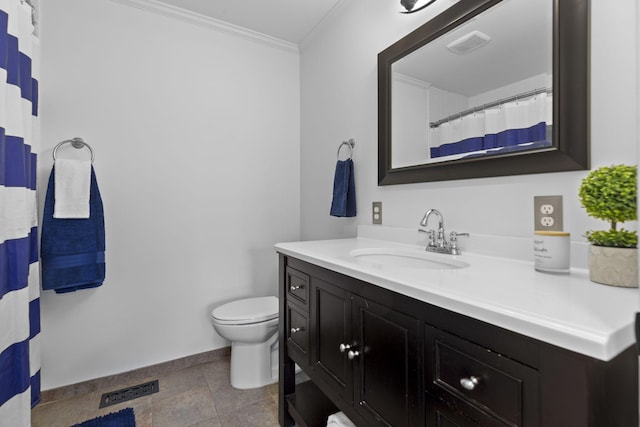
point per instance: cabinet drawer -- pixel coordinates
(456, 413)
(488, 381)
(298, 335)
(298, 287)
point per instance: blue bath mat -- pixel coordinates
(124, 418)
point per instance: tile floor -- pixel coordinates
(194, 392)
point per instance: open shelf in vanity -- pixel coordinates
(388, 359)
(308, 406)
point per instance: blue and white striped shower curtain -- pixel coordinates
(19, 275)
(517, 123)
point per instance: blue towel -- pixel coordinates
(344, 190)
(123, 418)
(72, 250)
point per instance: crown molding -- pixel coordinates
(341, 4)
(207, 22)
(412, 81)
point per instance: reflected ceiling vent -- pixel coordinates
(468, 42)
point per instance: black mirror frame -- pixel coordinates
(570, 150)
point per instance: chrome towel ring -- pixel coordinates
(76, 143)
(350, 143)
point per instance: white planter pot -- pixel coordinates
(613, 266)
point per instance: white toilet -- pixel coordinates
(251, 325)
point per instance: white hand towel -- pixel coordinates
(339, 419)
(72, 185)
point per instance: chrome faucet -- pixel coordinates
(435, 243)
(437, 240)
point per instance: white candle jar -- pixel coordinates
(551, 251)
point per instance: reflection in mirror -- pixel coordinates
(517, 102)
(482, 89)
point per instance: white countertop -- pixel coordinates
(567, 310)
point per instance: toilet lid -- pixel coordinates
(249, 310)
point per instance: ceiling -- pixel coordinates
(293, 20)
(289, 20)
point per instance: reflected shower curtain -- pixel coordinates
(19, 275)
(518, 123)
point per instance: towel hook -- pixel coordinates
(76, 143)
(350, 143)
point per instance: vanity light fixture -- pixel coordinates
(413, 6)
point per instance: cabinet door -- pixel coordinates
(331, 328)
(387, 365)
(439, 415)
(490, 388)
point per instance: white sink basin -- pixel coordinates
(405, 258)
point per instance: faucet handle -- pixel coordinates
(455, 234)
(431, 234)
(453, 239)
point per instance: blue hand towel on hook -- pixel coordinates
(344, 190)
(72, 249)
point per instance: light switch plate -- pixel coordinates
(547, 213)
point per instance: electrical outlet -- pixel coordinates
(547, 213)
(547, 221)
(376, 212)
(546, 209)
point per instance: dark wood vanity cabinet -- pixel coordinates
(296, 320)
(385, 359)
(387, 365)
(366, 354)
(331, 320)
(485, 386)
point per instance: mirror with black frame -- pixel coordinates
(486, 88)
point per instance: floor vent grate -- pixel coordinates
(129, 393)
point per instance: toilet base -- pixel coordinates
(251, 364)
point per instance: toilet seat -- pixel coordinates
(246, 311)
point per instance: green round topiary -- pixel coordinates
(610, 193)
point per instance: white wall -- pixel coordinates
(196, 136)
(532, 83)
(410, 110)
(339, 100)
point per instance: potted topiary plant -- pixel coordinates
(610, 193)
